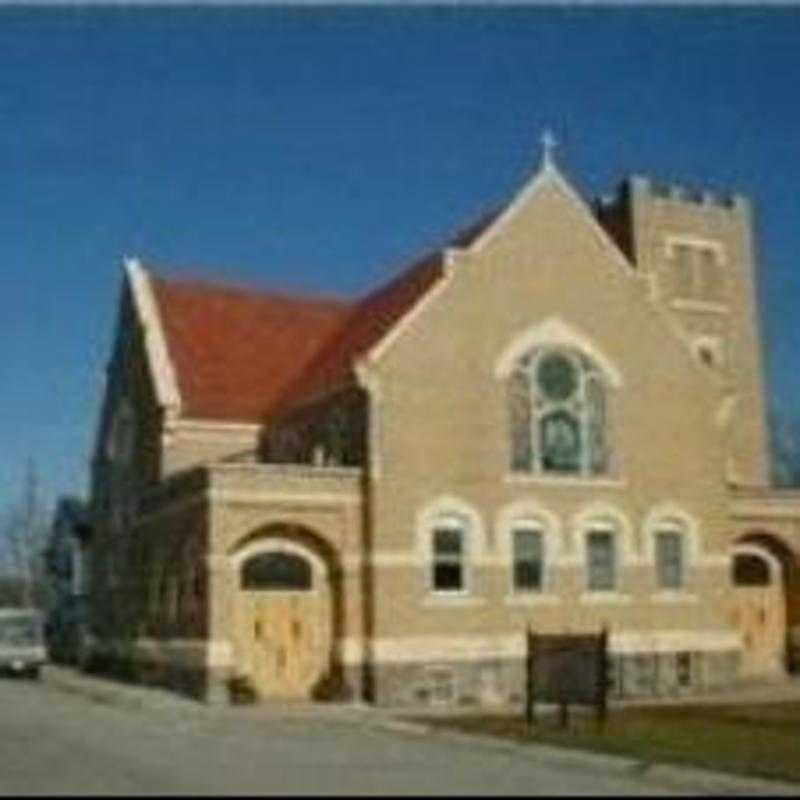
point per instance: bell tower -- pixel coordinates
(696, 249)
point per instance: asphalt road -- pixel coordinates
(56, 742)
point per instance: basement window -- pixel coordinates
(442, 686)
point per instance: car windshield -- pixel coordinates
(19, 629)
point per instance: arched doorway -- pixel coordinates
(284, 614)
(759, 591)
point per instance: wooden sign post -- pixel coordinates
(602, 677)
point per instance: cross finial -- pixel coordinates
(549, 143)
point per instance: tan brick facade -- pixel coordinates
(652, 299)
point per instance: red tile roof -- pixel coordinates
(245, 355)
(235, 350)
(370, 320)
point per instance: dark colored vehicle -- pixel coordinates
(22, 647)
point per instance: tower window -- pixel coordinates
(698, 271)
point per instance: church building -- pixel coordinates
(555, 421)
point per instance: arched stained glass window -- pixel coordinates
(558, 413)
(276, 572)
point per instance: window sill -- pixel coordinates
(674, 596)
(605, 598)
(580, 481)
(683, 304)
(452, 600)
(531, 599)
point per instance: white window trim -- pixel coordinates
(702, 306)
(597, 515)
(674, 596)
(773, 565)
(671, 517)
(450, 522)
(554, 333)
(529, 513)
(568, 480)
(474, 550)
(604, 596)
(601, 526)
(547, 578)
(451, 599)
(319, 571)
(672, 241)
(531, 599)
(669, 526)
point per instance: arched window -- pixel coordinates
(448, 555)
(276, 571)
(558, 409)
(601, 556)
(670, 554)
(528, 554)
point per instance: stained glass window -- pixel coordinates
(596, 425)
(520, 409)
(561, 442)
(557, 377)
(558, 414)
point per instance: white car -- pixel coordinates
(22, 647)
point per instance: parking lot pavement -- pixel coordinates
(58, 742)
(75, 734)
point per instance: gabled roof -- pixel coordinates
(245, 355)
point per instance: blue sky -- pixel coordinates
(317, 149)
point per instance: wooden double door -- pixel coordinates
(285, 638)
(759, 612)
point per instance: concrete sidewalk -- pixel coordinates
(683, 779)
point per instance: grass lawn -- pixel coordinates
(758, 740)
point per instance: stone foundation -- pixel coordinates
(501, 682)
(664, 674)
(489, 683)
